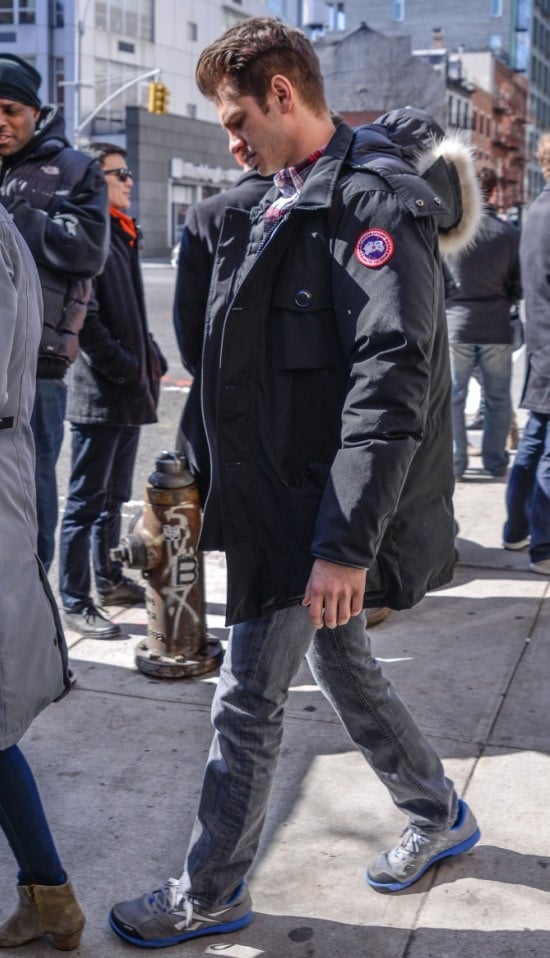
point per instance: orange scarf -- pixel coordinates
(126, 222)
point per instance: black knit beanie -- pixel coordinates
(19, 80)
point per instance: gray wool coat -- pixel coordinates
(33, 655)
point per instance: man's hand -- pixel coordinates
(334, 593)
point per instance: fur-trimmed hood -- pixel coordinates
(409, 141)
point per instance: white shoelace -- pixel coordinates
(169, 898)
(410, 844)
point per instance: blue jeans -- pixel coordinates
(263, 657)
(495, 365)
(102, 465)
(47, 420)
(24, 824)
(528, 490)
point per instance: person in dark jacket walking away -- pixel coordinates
(325, 397)
(528, 490)
(33, 653)
(113, 390)
(485, 286)
(58, 199)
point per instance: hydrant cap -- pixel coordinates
(171, 471)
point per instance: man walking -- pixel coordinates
(113, 390)
(485, 286)
(58, 199)
(325, 399)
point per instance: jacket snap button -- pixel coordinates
(303, 298)
(437, 199)
(419, 202)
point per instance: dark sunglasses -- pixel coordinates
(122, 172)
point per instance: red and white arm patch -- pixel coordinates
(374, 248)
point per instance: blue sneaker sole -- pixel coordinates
(199, 933)
(448, 853)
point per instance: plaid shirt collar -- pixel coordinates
(289, 182)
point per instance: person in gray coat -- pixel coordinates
(33, 654)
(528, 490)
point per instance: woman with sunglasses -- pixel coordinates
(113, 391)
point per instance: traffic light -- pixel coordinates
(158, 97)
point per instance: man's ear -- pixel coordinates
(282, 88)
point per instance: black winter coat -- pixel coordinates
(485, 284)
(326, 385)
(115, 379)
(198, 246)
(70, 243)
(535, 266)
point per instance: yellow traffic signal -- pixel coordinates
(158, 97)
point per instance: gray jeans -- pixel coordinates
(263, 657)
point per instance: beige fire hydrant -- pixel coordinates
(162, 542)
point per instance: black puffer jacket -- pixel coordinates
(325, 381)
(535, 266)
(70, 244)
(198, 245)
(485, 284)
(115, 379)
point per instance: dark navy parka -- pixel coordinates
(325, 385)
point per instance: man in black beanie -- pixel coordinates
(58, 199)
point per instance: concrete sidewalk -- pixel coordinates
(120, 761)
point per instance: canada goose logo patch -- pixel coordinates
(374, 248)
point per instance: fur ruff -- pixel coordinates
(457, 151)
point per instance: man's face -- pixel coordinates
(120, 193)
(259, 135)
(17, 125)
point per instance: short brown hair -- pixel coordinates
(488, 181)
(543, 154)
(254, 51)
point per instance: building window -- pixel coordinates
(192, 30)
(111, 75)
(7, 13)
(59, 81)
(496, 8)
(398, 10)
(27, 11)
(131, 18)
(523, 14)
(232, 17)
(336, 16)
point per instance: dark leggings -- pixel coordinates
(24, 823)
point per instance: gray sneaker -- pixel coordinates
(166, 917)
(419, 849)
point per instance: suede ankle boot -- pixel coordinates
(45, 910)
